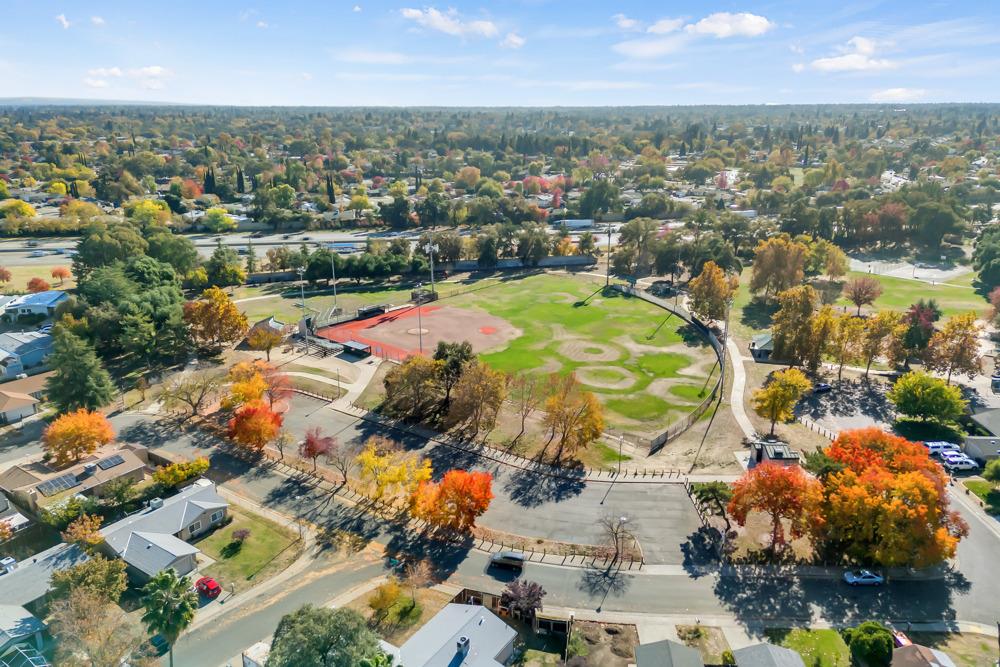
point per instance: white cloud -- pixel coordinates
(625, 23)
(645, 49)
(357, 8)
(104, 71)
(61, 20)
(449, 22)
(663, 26)
(725, 24)
(150, 71)
(796, 49)
(95, 83)
(97, 20)
(513, 41)
(855, 56)
(898, 95)
(306, 76)
(262, 24)
(798, 67)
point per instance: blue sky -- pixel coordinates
(520, 52)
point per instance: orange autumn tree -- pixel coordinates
(785, 493)
(38, 285)
(254, 425)
(247, 385)
(75, 435)
(455, 501)
(889, 505)
(62, 273)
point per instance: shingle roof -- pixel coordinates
(30, 580)
(177, 513)
(916, 655)
(11, 400)
(153, 552)
(435, 644)
(767, 655)
(22, 342)
(29, 385)
(667, 654)
(16, 623)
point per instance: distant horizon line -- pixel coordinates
(84, 101)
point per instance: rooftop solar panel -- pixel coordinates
(111, 462)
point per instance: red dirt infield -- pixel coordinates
(396, 334)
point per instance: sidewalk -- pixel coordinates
(736, 402)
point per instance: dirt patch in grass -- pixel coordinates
(604, 644)
(753, 542)
(708, 640)
(404, 618)
(605, 377)
(587, 352)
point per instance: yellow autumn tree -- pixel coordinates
(776, 400)
(390, 473)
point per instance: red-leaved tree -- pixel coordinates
(785, 493)
(315, 445)
(38, 285)
(254, 425)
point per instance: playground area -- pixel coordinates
(648, 366)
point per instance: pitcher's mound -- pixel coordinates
(417, 332)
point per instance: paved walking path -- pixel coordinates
(736, 403)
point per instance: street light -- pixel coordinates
(430, 249)
(302, 297)
(333, 278)
(420, 324)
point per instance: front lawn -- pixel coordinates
(818, 648)
(966, 649)
(267, 550)
(986, 492)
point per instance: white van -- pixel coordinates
(935, 448)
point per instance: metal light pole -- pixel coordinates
(621, 440)
(430, 249)
(333, 278)
(725, 350)
(420, 324)
(302, 299)
(607, 281)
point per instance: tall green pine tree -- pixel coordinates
(80, 380)
(240, 185)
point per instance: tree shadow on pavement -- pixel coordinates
(850, 399)
(444, 458)
(753, 594)
(700, 550)
(530, 488)
(406, 544)
(601, 582)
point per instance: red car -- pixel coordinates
(208, 587)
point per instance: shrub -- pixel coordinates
(241, 535)
(870, 643)
(175, 474)
(728, 658)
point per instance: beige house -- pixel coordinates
(36, 485)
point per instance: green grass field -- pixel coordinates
(818, 648)
(269, 549)
(567, 321)
(752, 317)
(20, 275)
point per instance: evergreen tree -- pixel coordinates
(74, 190)
(240, 184)
(330, 192)
(251, 258)
(80, 380)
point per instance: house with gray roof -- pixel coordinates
(667, 653)
(26, 583)
(155, 539)
(19, 626)
(37, 303)
(460, 635)
(767, 655)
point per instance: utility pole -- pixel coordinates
(725, 350)
(333, 278)
(420, 324)
(621, 441)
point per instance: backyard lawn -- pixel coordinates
(988, 493)
(818, 648)
(267, 550)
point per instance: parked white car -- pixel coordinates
(863, 578)
(937, 448)
(953, 464)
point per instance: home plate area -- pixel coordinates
(397, 334)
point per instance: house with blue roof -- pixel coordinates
(39, 303)
(23, 350)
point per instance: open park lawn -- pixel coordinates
(405, 617)
(20, 275)
(269, 549)
(752, 316)
(966, 649)
(647, 366)
(818, 648)
(986, 492)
